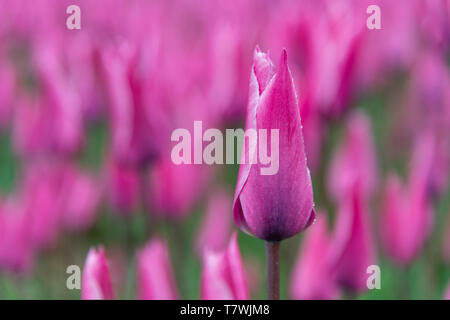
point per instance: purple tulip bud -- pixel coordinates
(274, 207)
(96, 279)
(223, 276)
(155, 276)
(312, 277)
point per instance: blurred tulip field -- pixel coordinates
(88, 181)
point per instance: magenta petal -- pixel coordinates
(223, 275)
(215, 230)
(352, 246)
(312, 276)
(155, 276)
(96, 280)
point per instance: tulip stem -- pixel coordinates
(273, 270)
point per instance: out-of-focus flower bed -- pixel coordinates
(86, 118)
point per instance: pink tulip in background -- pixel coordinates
(172, 193)
(312, 275)
(123, 188)
(353, 247)
(223, 274)
(16, 247)
(215, 231)
(96, 279)
(354, 160)
(155, 278)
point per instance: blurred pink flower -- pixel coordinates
(354, 160)
(16, 249)
(62, 104)
(122, 187)
(420, 181)
(134, 115)
(352, 247)
(427, 101)
(155, 279)
(215, 230)
(175, 189)
(223, 275)
(40, 194)
(30, 133)
(312, 276)
(325, 38)
(377, 63)
(82, 196)
(7, 92)
(96, 279)
(401, 227)
(274, 207)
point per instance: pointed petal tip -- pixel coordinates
(283, 59)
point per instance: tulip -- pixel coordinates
(175, 189)
(420, 182)
(223, 274)
(352, 250)
(133, 114)
(96, 280)
(122, 188)
(312, 276)
(215, 230)
(30, 133)
(378, 63)
(402, 227)
(274, 207)
(82, 196)
(41, 194)
(16, 249)
(61, 102)
(355, 159)
(154, 272)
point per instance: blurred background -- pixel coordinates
(86, 117)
